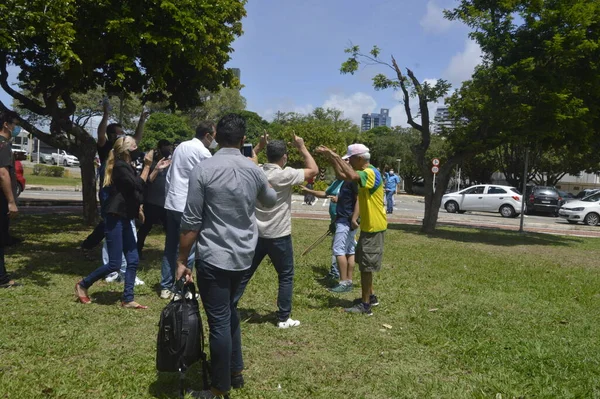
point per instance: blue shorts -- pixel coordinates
(343, 240)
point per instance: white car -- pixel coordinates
(586, 210)
(485, 198)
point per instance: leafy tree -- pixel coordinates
(321, 127)
(424, 93)
(166, 126)
(255, 126)
(538, 87)
(216, 104)
(161, 51)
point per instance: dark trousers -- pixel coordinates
(4, 239)
(97, 235)
(153, 214)
(120, 241)
(217, 288)
(281, 253)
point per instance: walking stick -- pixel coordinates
(317, 242)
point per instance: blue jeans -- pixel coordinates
(389, 198)
(281, 253)
(171, 252)
(120, 240)
(217, 288)
(106, 258)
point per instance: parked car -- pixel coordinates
(567, 197)
(544, 199)
(44, 157)
(485, 198)
(586, 210)
(586, 192)
(62, 158)
(20, 177)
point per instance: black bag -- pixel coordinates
(180, 340)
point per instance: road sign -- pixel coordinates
(435, 162)
(435, 169)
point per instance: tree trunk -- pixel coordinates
(88, 188)
(433, 200)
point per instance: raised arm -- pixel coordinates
(318, 194)
(343, 170)
(103, 124)
(310, 166)
(139, 130)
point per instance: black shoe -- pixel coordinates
(237, 381)
(373, 301)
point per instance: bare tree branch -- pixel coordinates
(27, 103)
(406, 94)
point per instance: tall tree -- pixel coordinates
(424, 93)
(167, 51)
(167, 126)
(216, 104)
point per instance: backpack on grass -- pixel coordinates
(180, 341)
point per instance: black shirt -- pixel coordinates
(155, 191)
(126, 192)
(7, 160)
(105, 150)
(346, 202)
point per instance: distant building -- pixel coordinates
(370, 121)
(442, 120)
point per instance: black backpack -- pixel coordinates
(180, 340)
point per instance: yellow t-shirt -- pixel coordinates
(370, 201)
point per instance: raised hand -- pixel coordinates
(149, 157)
(298, 142)
(163, 164)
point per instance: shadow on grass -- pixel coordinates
(167, 384)
(324, 281)
(252, 316)
(331, 300)
(488, 236)
(107, 297)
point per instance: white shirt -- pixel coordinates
(187, 155)
(276, 222)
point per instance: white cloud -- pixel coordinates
(433, 21)
(353, 106)
(462, 65)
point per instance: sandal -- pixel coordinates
(133, 305)
(10, 284)
(83, 299)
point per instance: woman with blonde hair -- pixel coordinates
(123, 205)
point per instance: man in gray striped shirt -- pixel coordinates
(219, 217)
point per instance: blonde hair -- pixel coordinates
(120, 150)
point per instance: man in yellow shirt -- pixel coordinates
(373, 223)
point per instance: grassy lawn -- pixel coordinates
(49, 181)
(473, 313)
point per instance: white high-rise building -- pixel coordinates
(370, 121)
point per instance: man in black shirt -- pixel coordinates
(107, 135)
(9, 128)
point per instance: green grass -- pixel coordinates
(50, 181)
(474, 313)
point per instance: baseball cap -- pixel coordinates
(355, 149)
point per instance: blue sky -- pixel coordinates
(291, 52)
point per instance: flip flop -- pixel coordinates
(83, 299)
(133, 305)
(10, 284)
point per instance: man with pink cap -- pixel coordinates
(373, 223)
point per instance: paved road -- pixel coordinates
(408, 210)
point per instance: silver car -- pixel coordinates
(484, 198)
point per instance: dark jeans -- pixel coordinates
(97, 235)
(281, 253)
(153, 214)
(4, 239)
(120, 241)
(171, 252)
(217, 288)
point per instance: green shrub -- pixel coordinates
(50, 171)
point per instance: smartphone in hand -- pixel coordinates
(247, 150)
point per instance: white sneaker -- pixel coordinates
(166, 294)
(138, 281)
(288, 323)
(112, 277)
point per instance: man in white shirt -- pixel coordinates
(185, 157)
(275, 224)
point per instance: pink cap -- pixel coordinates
(356, 149)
